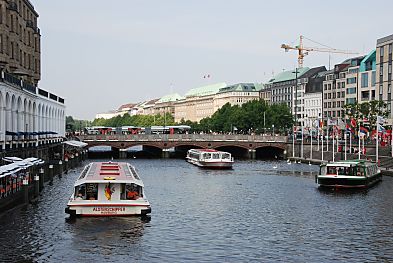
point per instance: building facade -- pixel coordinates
(20, 41)
(384, 72)
(29, 116)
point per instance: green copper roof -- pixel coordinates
(370, 59)
(206, 90)
(288, 75)
(170, 97)
(242, 87)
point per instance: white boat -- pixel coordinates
(210, 158)
(349, 174)
(108, 189)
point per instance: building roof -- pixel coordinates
(242, 87)
(369, 61)
(288, 75)
(170, 98)
(206, 90)
(126, 106)
(384, 39)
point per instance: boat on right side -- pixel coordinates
(349, 174)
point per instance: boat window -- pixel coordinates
(226, 156)
(343, 170)
(80, 192)
(91, 191)
(130, 192)
(206, 156)
(332, 170)
(216, 156)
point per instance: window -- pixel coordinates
(373, 78)
(381, 70)
(351, 90)
(338, 94)
(364, 83)
(390, 48)
(342, 94)
(351, 80)
(351, 100)
(352, 70)
(381, 51)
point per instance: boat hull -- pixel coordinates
(353, 182)
(211, 165)
(108, 209)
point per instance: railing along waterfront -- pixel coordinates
(185, 137)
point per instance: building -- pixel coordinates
(367, 78)
(237, 94)
(107, 115)
(313, 99)
(166, 104)
(198, 103)
(283, 89)
(384, 72)
(20, 41)
(29, 116)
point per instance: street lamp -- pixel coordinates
(273, 128)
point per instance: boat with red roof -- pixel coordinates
(210, 158)
(108, 189)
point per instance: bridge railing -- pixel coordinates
(184, 137)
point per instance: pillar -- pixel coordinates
(122, 153)
(41, 178)
(25, 189)
(60, 168)
(66, 165)
(51, 173)
(252, 154)
(165, 153)
(36, 185)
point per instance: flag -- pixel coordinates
(363, 130)
(380, 120)
(353, 122)
(321, 123)
(341, 124)
(381, 129)
(348, 128)
(332, 122)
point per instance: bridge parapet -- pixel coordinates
(184, 138)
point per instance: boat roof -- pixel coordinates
(104, 172)
(349, 163)
(207, 150)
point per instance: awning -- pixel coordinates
(76, 143)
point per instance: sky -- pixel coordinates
(101, 54)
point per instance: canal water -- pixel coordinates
(253, 213)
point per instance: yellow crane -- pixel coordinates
(303, 51)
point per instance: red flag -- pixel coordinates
(353, 123)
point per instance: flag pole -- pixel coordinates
(377, 142)
(327, 138)
(333, 144)
(359, 141)
(318, 137)
(311, 145)
(322, 144)
(345, 147)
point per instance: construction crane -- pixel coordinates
(303, 51)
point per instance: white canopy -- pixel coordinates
(18, 165)
(76, 143)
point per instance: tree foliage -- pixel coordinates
(367, 110)
(252, 117)
(136, 120)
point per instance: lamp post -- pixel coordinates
(273, 129)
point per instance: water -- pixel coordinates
(252, 213)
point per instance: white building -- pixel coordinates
(29, 115)
(312, 108)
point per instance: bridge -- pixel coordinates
(248, 146)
